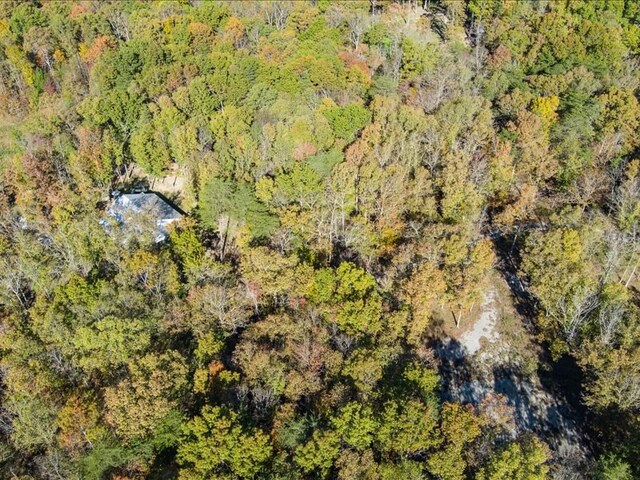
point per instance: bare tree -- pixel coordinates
(13, 280)
(610, 318)
(574, 309)
(276, 13)
(358, 25)
(119, 23)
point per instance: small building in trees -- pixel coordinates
(145, 212)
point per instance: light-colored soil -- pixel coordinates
(484, 327)
(175, 185)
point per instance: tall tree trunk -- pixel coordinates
(457, 318)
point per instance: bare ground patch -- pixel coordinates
(176, 185)
(494, 354)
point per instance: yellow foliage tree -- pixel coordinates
(546, 108)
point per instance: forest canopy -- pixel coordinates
(354, 176)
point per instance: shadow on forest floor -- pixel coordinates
(537, 409)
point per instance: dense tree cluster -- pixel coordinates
(355, 167)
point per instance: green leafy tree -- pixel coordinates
(149, 148)
(121, 109)
(110, 342)
(523, 460)
(221, 198)
(356, 425)
(612, 467)
(33, 424)
(347, 121)
(216, 444)
(319, 453)
(416, 58)
(447, 464)
(358, 306)
(408, 428)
